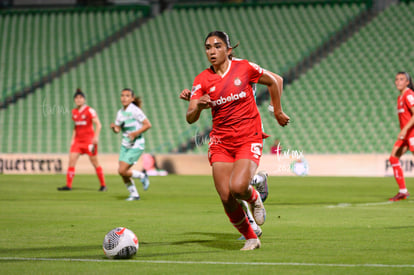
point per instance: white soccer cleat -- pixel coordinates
(251, 244)
(132, 198)
(259, 212)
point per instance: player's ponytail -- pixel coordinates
(409, 78)
(137, 100)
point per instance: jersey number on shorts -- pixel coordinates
(255, 148)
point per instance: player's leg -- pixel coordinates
(124, 172)
(93, 157)
(252, 222)
(259, 181)
(132, 156)
(222, 172)
(242, 173)
(70, 174)
(396, 153)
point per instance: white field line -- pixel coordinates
(204, 263)
(342, 205)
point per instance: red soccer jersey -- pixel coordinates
(405, 103)
(82, 117)
(233, 105)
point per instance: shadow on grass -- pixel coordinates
(58, 252)
(222, 241)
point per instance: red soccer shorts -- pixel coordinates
(407, 141)
(219, 152)
(84, 148)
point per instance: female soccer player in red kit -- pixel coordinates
(84, 140)
(405, 140)
(236, 139)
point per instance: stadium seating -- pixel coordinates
(163, 56)
(35, 43)
(347, 103)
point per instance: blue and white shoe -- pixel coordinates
(262, 187)
(145, 181)
(133, 198)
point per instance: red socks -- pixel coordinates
(398, 172)
(240, 221)
(99, 173)
(69, 176)
(254, 195)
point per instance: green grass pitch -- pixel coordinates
(315, 225)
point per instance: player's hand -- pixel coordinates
(204, 102)
(115, 128)
(95, 140)
(185, 94)
(282, 118)
(402, 134)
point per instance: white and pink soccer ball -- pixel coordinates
(120, 243)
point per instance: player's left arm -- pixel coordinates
(275, 87)
(408, 126)
(146, 125)
(98, 127)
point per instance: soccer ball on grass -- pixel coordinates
(120, 243)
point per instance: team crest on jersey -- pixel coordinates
(237, 82)
(83, 116)
(212, 89)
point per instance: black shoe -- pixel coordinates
(103, 189)
(64, 188)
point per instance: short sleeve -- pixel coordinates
(255, 72)
(92, 112)
(410, 100)
(197, 89)
(139, 115)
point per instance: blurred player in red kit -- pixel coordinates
(84, 140)
(405, 139)
(236, 139)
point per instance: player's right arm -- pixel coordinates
(116, 127)
(185, 95)
(196, 106)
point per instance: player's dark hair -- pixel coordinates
(410, 80)
(78, 92)
(137, 100)
(225, 37)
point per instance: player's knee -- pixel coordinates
(122, 172)
(239, 191)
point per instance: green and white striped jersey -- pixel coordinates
(130, 120)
